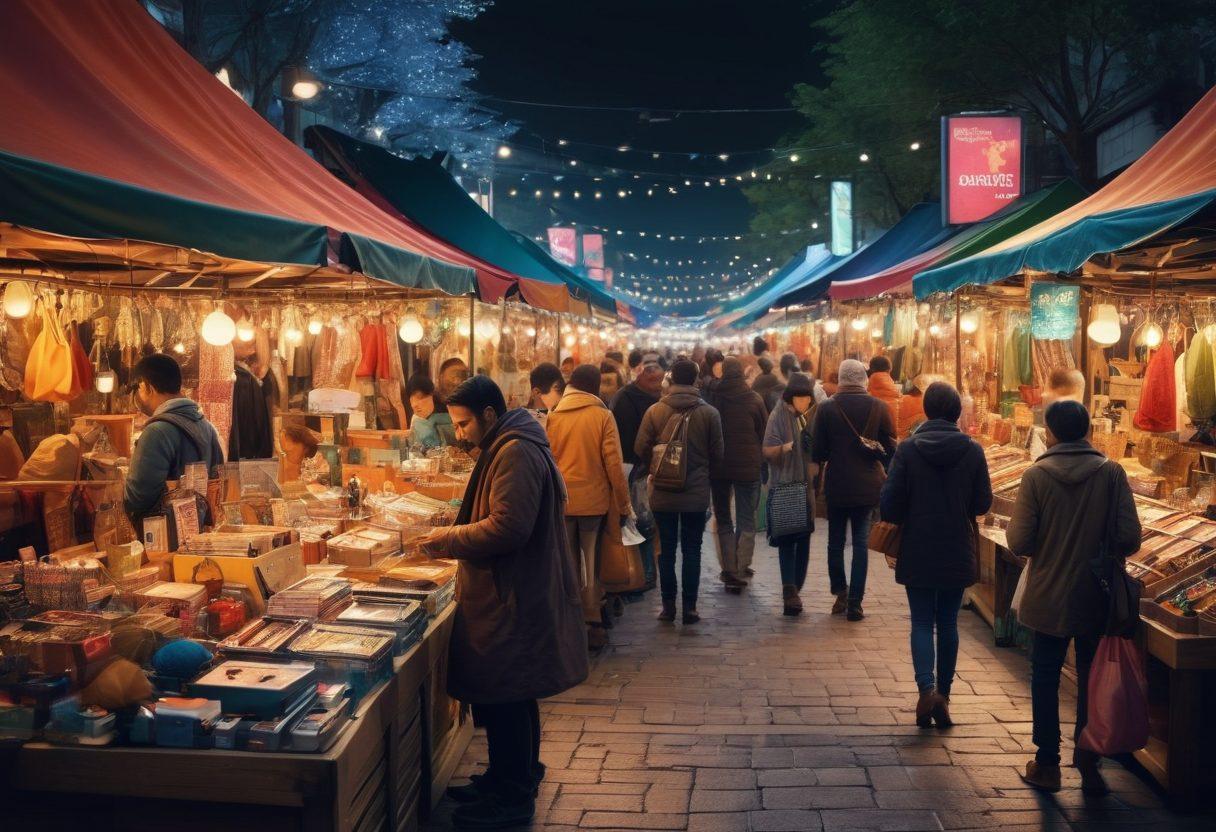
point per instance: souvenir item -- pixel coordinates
(310, 598)
(319, 727)
(261, 690)
(263, 636)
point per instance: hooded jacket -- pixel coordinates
(175, 436)
(882, 386)
(628, 407)
(853, 478)
(744, 418)
(1059, 521)
(764, 384)
(938, 484)
(583, 436)
(704, 447)
(518, 632)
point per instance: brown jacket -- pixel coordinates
(587, 449)
(519, 631)
(704, 441)
(1058, 522)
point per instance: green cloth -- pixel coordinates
(1200, 377)
(1016, 365)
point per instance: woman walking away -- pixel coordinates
(937, 486)
(853, 433)
(787, 451)
(744, 418)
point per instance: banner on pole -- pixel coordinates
(842, 218)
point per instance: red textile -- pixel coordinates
(373, 361)
(1158, 407)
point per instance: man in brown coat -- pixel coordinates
(587, 449)
(518, 634)
(1059, 522)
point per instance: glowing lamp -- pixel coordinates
(875, 333)
(858, 324)
(18, 299)
(179, 348)
(293, 335)
(1104, 328)
(305, 89)
(935, 330)
(105, 381)
(410, 331)
(463, 329)
(314, 326)
(831, 326)
(1152, 336)
(969, 323)
(530, 332)
(218, 329)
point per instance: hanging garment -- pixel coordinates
(82, 368)
(215, 381)
(373, 361)
(1200, 380)
(393, 386)
(1158, 399)
(1183, 394)
(48, 370)
(251, 436)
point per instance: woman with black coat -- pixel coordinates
(938, 484)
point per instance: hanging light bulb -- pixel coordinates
(179, 348)
(831, 326)
(530, 332)
(245, 331)
(969, 322)
(1152, 336)
(410, 330)
(315, 326)
(858, 324)
(105, 381)
(876, 333)
(218, 329)
(18, 299)
(1104, 328)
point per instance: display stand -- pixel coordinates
(381, 774)
(999, 571)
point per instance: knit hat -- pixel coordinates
(941, 401)
(1067, 420)
(800, 384)
(853, 372)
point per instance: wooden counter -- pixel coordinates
(391, 761)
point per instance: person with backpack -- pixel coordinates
(854, 436)
(680, 439)
(938, 485)
(1073, 505)
(787, 451)
(175, 435)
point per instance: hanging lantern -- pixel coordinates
(1104, 328)
(1152, 336)
(18, 299)
(969, 323)
(218, 329)
(876, 333)
(105, 381)
(410, 330)
(179, 348)
(831, 326)
(315, 326)
(245, 331)
(935, 330)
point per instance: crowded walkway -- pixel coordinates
(754, 721)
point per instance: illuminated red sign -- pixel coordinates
(563, 245)
(593, 251)
(982, 161)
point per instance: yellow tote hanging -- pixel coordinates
(48, 370)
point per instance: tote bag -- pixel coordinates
(1118, 699)
(789, 513)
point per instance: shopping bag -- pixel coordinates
(620, 565)
(1016, 604)
(1118, 699)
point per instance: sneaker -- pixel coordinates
(841, 603)
(855, 613)
(493, 812)
(1042, 777)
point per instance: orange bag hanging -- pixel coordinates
(1158, 408)
(48, 370)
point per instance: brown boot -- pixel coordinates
(733, 583)
(597, 637)
(669, 611)
(1045, 778)
(790, 599)
(1092, 782)
(941, 712)
(842, 602)
(924, 708)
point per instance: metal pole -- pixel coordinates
(472, 333)
(958, 342)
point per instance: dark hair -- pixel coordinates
(586, 377)
(759, 346)
(941, 401)
(806, 366)
(452, 362)
(635, 358)
(615, 355)
(161, 371)
(305, 436)
(544, 376)
(712, 357)
(419, 383)
(684, 371)
(800, 384)
(477, 393)
(789, 364)
(765, 365)
(880, 364)
(1067, 420)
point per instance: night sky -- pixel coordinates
(627, 53)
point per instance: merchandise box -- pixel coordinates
(264, 575)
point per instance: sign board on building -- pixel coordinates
(981, 166)
(563, 245)
(1054, 311)
(593, 251)
(842, 218)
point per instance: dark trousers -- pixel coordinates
(857, 519)
(682, 530)
(1047, 654)
(513, 738)
(794, 556)
(934, 609)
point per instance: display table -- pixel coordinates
(992, 595)
(385, 770)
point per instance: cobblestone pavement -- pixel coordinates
(752, 721)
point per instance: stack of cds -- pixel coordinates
(314, 597)
(407, 622)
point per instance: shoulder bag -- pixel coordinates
(1122, 591)
(872, 447)
(789, 514)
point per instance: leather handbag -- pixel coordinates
(885, 539)
(872, 447)
(669, 459)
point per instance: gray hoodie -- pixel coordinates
(1059, 522)
(704, 440)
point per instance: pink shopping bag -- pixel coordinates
(1118, 699)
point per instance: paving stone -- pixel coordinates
(786, 777)
(725, 778)
(877, 820)
(785, 820)
(619, 820)
(718, 800)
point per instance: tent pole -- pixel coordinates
(958, 342)
(472, 334)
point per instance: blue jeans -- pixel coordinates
(794, 556)
(858, 518)
(683, 530)
(1047, 654)
(932, 608)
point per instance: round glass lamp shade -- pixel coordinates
(1104, 328)
(410, 330)
(18, 299)
(1152, 336)
(831, 326)
(218, 329)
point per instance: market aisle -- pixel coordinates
(751, 721)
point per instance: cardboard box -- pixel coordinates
(264, 575)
